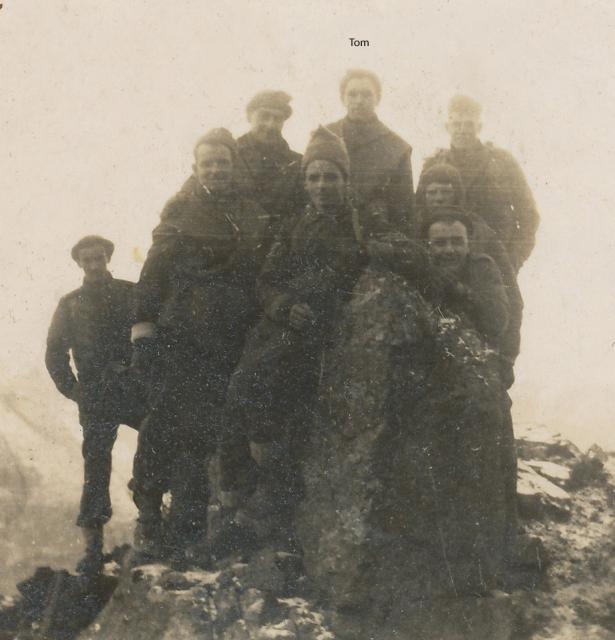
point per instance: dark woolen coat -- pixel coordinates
(197, 283)
(380, 171)
(316, 260)
(272, 177)
(93, 322)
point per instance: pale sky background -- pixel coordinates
(100, 103)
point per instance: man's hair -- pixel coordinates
(448, 215)
(219, 136)
(443, 173)
(90, 241)
(464, 104)
(353, 74)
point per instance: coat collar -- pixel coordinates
(279, 153)
(359, 134)
(96, 287)
(471, 163)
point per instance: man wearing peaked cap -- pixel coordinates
(269, 169)
(380, 161)
(494, 184)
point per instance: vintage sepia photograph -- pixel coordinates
(309, 320)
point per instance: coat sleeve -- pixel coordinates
(400, 194)
(486, 299)
(275, 297)
(57, 358)
(510, 340)
(150, 288)
(526, 214)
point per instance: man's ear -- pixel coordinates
(479, 127)
(447, 126)
(194, 168)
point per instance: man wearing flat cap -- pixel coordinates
(195, 301)
(93, 324)
(269, 168)
(495, 186)
(380, 161)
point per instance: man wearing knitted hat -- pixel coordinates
(495, 186)
(308, 275)
(269, 168)
(195, 302)
(380, 161)
(93, 324)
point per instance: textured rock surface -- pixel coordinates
(154, 602)
(402, 474)
(538, 496)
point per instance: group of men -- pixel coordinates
(221, 337)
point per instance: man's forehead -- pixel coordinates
(361, 83)
(320, 165)
(448, 229)
(208, 150)
(439, 185)
(92, 251)
(270, 111)
(464, 114)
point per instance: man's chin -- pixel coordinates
(220, 187)
(450, 268)
(268, 140)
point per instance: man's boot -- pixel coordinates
(92, 562)
(147, 536)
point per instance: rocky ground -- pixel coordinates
(41, 477)
(563, 588)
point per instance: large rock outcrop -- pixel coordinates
(404, 490)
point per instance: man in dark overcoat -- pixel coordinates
(494, 184)
(195, 301)
(307, 277)
(270, 170)
(380, 160)
(93, 324)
